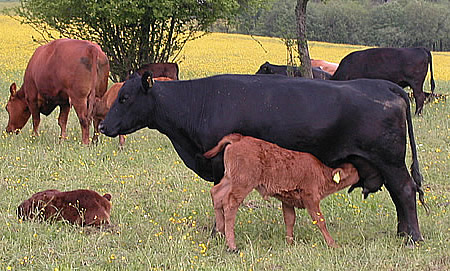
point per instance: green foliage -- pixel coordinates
(131, 32)
(397, 23)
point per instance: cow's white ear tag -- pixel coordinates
(337, 177)
(150, 81)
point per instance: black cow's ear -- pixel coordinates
(147, 80)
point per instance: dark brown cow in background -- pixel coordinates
(169, 70)
(403, 66)
(62, 73)
(103, 104)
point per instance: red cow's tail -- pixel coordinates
(93, 52)
(229, 139)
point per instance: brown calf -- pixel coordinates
(102, 106)
(82, 207)
(329, 67)
(297, 179)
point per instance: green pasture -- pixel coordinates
(162, 213)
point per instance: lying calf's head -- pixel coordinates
(82, 207)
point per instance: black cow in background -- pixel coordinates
(403, 66)
(363, 121)
(268, 68)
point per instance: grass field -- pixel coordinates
(162, 213)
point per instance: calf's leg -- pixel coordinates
(289, 220)
(314, 211)
(232, 201)
(217, 195)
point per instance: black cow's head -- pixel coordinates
(132, 109)
(265, 68)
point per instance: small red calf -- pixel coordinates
(297, 179)
(82, 207)
(103, 104)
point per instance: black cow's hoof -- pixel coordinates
(411, 244)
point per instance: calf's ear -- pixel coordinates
(338, 174)
(147, 80)
(107, 196)
(12, 89)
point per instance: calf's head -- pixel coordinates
(132, 109)
(17, 109)
(345, 175)
(35, 206)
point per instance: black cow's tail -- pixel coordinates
(415, 172)
(430, 60)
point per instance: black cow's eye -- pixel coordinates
(123, 98)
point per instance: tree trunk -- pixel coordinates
(300, 11)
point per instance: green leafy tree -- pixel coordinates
(131, 32)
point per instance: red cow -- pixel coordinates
(61, 73)
(82, 207)
(329, 67)
(298, 179)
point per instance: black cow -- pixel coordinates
(268, 68)
(403, 66)
(362, 121)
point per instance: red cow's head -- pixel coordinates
(18, 110)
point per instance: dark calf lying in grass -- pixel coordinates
(297, 179)
(82, 207)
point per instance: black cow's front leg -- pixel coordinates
(403, 192)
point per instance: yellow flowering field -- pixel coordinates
(234, 53)
(214, 53)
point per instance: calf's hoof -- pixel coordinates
(289, 240)
(233, 250)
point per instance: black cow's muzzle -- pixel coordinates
(102, 128)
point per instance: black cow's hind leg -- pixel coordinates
(403, 192)
(402, 225)
(419, 96)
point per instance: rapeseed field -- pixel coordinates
(212, 54)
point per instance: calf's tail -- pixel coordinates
(229, 139)
(430, 60)
(415, 172)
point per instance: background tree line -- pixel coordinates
(385, 23)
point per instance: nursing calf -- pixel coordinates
(298, 179)
(82, 207)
